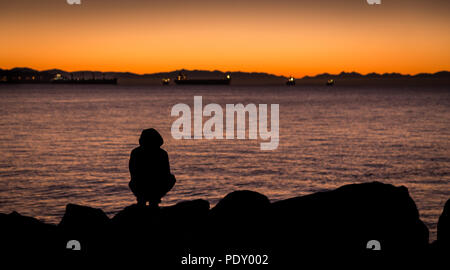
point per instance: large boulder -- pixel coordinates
(87, 225)
(241, 203)
(443, 229)
(138, 217)
(240, 220)
(78, 217)
(27, 236)
(346, 219)
(159, 230)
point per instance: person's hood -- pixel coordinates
(150, 138)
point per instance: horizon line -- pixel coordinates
(238, 71)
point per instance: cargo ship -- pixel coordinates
(59, 79)
(183, 80)
(290, 81)
(330, 82)
(165, 81)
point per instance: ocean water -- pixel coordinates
(71, 144)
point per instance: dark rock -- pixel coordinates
(345, 219)
(27, 235)
(137, 216)
(241, 203)
(443, 229)
(78, 217)
(340, 221)
(193, 209)
(239, 220)
(139, 229)
(85, 224)
(187, 221)
(144, 229)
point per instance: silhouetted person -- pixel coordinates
(150, 170)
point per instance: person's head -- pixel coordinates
(150, 138)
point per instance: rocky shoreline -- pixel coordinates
(347, 220)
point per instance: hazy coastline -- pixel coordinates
(28, 75)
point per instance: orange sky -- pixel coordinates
(282, 37)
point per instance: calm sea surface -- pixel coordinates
(71, 144)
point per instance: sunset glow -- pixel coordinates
(289, 37)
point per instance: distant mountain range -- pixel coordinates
(346, 75)
(24, 72)
(29, 75)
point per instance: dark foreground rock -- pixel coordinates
(240, 219)
(442, 244)
(349, 217)
(141, 229)
(27, 235)
(87, 225)
(351, 220)
(443, 230)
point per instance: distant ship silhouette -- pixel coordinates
(290, 81)
(59, 79)
(165, 81)
(182, 79)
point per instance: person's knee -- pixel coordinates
(171, 182)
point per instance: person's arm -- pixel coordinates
(132, 164)
(167, 163)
